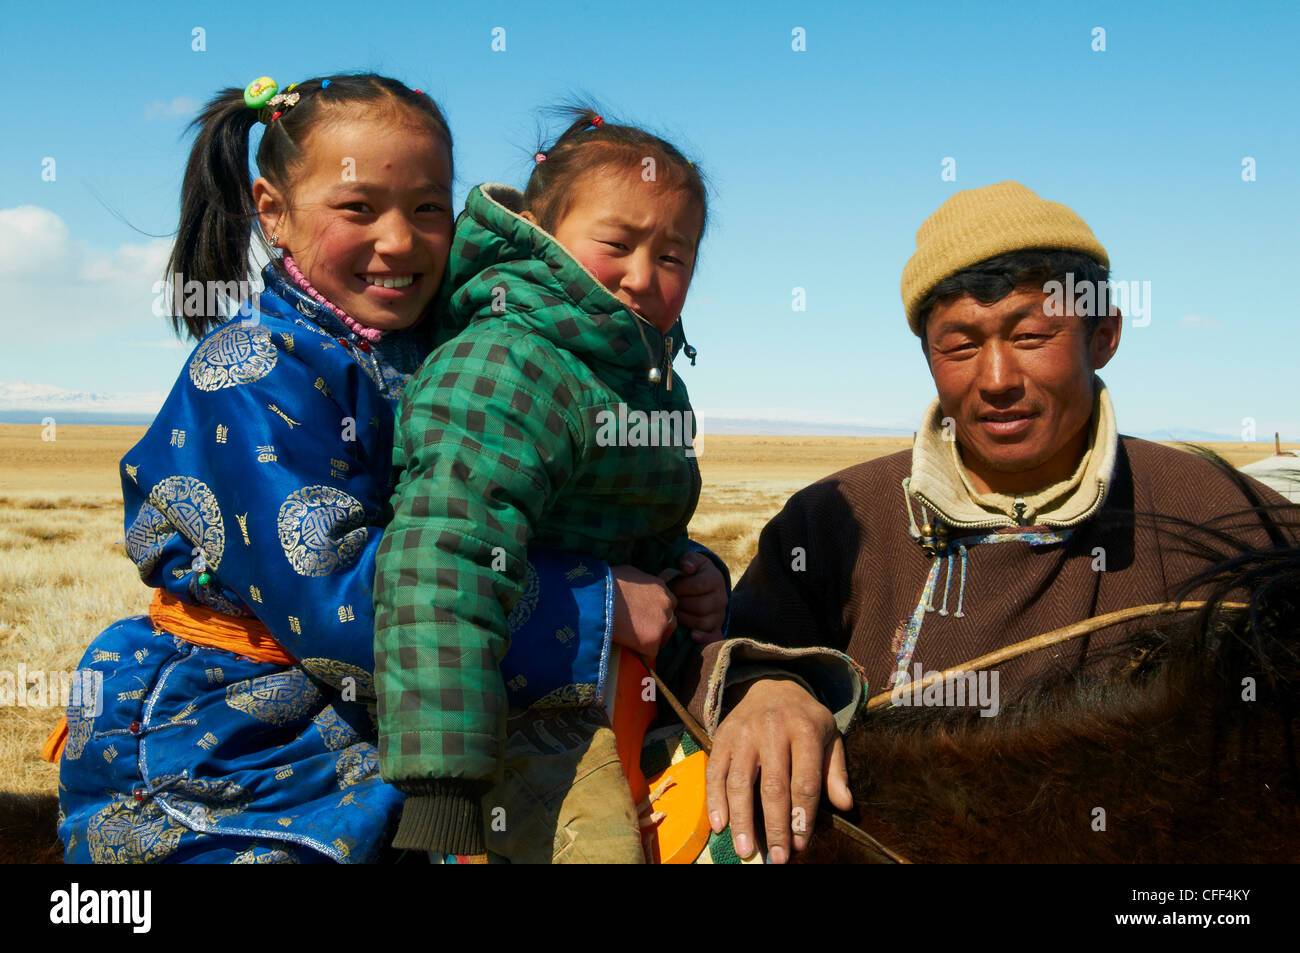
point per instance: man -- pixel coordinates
(1019, 509)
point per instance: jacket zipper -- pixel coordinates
(696, 480)
(982, 524)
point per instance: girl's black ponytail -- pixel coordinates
(217, 212)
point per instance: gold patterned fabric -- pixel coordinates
(322, 529)
(192, 508)
(233, 355)
(277, 699)
(146, 537)
(130, 832)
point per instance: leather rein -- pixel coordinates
(879, 851)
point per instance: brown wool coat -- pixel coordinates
(865, 572)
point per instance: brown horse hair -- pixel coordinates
(27, 829)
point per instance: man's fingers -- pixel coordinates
(739, 787)
(806, 771)
(837, 777)
(715, 784)
(774, 788)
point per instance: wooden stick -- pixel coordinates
(1054, 637)
(693, 727)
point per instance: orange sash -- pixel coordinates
(198, 626)
(52, 750)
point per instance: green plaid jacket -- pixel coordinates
(509, 437)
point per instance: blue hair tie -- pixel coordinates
(324, 84)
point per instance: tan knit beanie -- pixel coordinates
(980, 223)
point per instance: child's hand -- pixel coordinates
(701, 594)
(643, 610)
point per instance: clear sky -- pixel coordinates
(823, 163)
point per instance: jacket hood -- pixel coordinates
(504, 267)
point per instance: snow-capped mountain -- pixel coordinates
(21, 396)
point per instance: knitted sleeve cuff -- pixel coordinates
(444, 817)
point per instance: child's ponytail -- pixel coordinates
(217, 207)
(217, 212)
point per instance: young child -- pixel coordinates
(233, 723)
(524, 431)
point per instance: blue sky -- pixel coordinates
(824, 163)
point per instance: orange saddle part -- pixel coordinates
(674, 815)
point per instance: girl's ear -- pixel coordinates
(271, 208)
(528, 216)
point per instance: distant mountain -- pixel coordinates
(21, 402)
(718, 424)
(754, 426)
(1186, 435)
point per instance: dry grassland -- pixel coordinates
(63, 573)
(64, 576)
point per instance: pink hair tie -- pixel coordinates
(540, 157)
(370, 334)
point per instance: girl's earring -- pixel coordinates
(275, 240)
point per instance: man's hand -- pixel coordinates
(643, 610)
(779, 731)
(701, 593)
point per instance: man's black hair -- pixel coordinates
(994, 278)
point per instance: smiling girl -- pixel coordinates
(235, 723)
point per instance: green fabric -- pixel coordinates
(447, 821)
(497, 441)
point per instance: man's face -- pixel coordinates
(1018, 383)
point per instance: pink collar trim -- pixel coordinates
(370, 334)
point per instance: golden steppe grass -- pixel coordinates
(64, 576)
